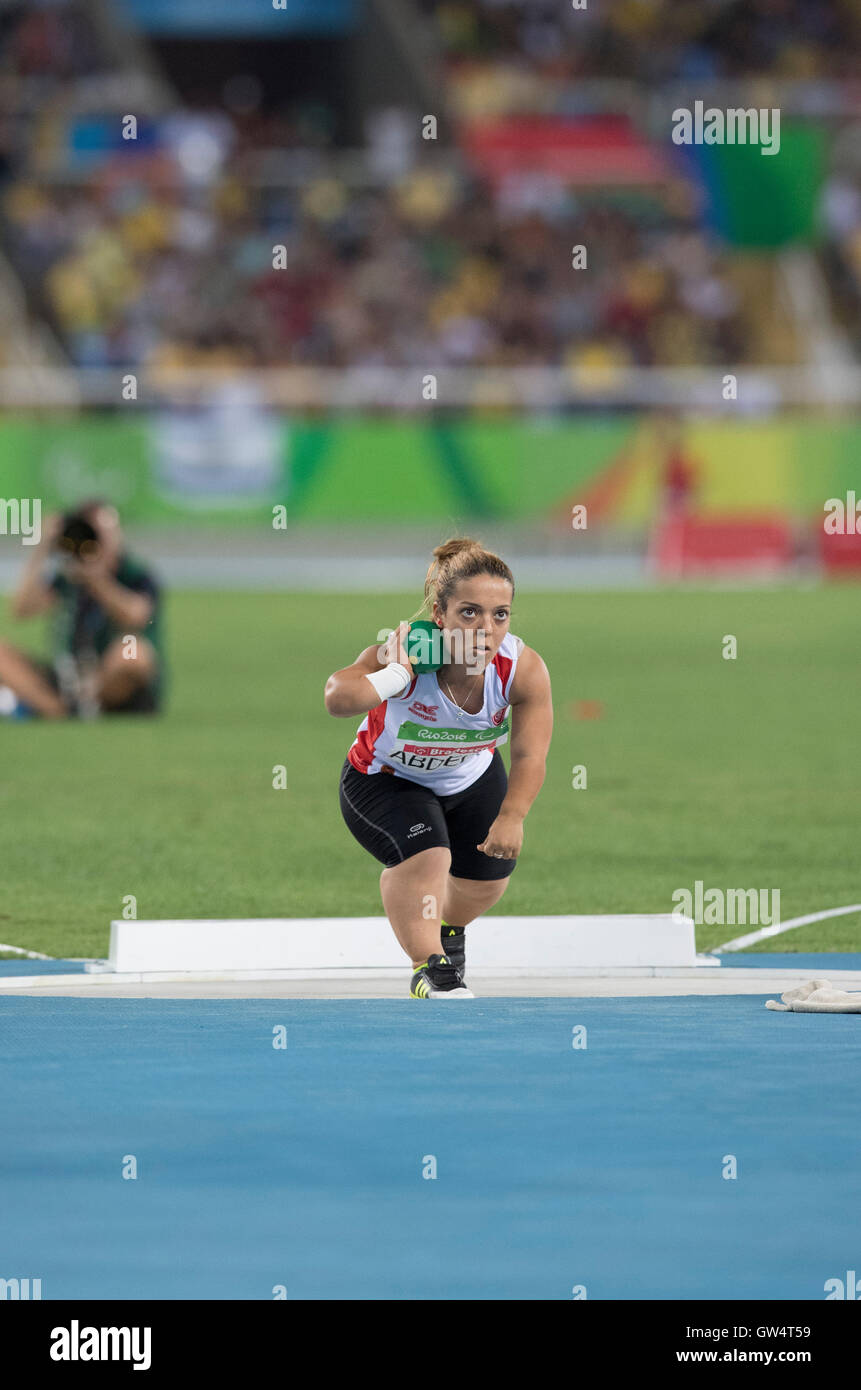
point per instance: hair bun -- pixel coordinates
(460, 557)
(458, 545)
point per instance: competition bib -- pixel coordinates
(425, 749)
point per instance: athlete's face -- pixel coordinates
(480, 608)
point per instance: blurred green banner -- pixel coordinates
(370, 469)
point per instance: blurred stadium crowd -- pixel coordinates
(159, 252)
(507, 47)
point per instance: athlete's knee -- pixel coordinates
(481, 889)
(499, 886)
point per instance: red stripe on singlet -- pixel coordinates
(503, 665)
(361, 754)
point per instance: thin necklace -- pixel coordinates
(455, 702)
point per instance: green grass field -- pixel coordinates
(740, 773)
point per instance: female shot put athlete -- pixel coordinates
(423, 787)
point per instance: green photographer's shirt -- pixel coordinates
(81, 625)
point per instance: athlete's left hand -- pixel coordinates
(504, 838)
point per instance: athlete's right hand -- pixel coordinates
(395, 649)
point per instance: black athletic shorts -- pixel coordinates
(394, 818)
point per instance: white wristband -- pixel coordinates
(390, 681)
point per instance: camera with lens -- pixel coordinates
(78, 538)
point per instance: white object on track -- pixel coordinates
(818, 997)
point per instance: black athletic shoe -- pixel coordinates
(438, 979)
(453, 941)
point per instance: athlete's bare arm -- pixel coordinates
(531, 730)
(348, 693)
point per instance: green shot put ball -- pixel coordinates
(425, 647)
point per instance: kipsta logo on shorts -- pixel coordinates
(417, 829)
(423, 711)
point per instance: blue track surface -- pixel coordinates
(22, 966)
(303, 1167)
(822, 964)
